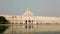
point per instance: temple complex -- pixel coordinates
(29, 18)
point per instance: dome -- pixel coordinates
(28, 13)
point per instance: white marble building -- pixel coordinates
(29, 18)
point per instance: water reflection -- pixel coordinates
(3, 29)
(32, 29)
(28, 26)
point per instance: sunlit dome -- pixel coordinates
(28, 12)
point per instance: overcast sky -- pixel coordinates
(37, 7)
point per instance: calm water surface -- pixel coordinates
(32, 29)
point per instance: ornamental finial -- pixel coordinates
(27, 9)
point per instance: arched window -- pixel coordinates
(29, 20)
(16, 23)
(21, 23)
(25, 21)
(12, 16)
(32, 20)
(15, 16)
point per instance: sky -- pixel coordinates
(37, 7)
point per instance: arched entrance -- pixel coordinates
(25, 21)
(28, 21)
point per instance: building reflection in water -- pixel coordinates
(28, 26)
(3, 28)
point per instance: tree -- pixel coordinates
(3, 20)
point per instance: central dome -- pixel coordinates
(28, 13)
